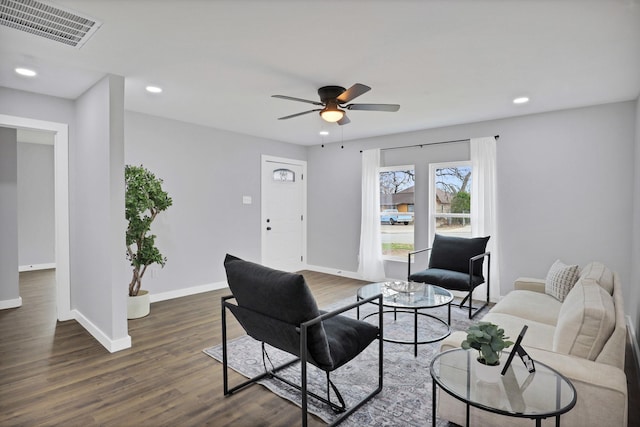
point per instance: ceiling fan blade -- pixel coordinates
(298, 114)
(344, 120)
(373, 107)
(353, 92)
(291, 98)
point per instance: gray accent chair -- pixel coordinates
(456, 264)
(277, 308)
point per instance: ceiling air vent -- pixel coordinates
(48, 21)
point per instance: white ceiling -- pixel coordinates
(445, 62)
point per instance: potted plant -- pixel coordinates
(144, 200)
(489, 340)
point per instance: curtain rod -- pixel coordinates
(430, 143)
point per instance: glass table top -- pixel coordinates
(543, 393)
(403, 294)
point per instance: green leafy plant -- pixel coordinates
(144, 200)
(489, 340)
(461, 202)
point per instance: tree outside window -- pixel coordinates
(451, 200)
(397, 185)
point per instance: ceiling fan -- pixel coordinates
(333, 100)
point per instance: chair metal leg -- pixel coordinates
(473, 311)
(345, 414)
(225, 365)
(225, 375)
(469, 296)
(342, 406)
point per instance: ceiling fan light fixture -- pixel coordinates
(334, 100)
(331, 113)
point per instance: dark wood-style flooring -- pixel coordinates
(55, 373)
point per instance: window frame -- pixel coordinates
(432, 195)
(399, 168)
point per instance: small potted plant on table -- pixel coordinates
(489, 340)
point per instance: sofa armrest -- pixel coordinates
(584, 371)
(601, 389)
(529, 284)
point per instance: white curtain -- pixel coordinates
(371, 266)
(484, 219)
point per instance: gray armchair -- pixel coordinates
(456, 264)
(277, 308)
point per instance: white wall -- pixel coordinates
(36, 228)
(565, 182)
(206, 172)
(95, 281)
(99, 282)
(9, 287)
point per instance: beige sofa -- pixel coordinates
(583, 338)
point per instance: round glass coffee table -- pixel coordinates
(538, 395)
(410, 297)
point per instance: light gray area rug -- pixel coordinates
(406, 395)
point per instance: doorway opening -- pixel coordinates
(61, 204)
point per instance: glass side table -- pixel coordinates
(542, 394)
(410, 297)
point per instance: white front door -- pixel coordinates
(283, 213)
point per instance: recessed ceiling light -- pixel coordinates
(26, 72)
(324, 132)
(154, 89)
(521, 100)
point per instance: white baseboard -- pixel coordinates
(163, 296)
(631, 330)
(33, 267)
(123, 343)
(348, 274)
(110, 344)
(11, 303)
(335, 272)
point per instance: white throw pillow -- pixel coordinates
(560, 279)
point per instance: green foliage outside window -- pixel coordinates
(461, 202)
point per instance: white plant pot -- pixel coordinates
(487, 373)
(139, 305)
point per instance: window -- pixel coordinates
(397, 185)
(284, 175)
(450, 203)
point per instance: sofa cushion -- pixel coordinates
(531, 305)
(539, 335)
(560, 279)
(600, 273)
(585, 322)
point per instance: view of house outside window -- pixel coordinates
(451, 199)
(397, 184)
